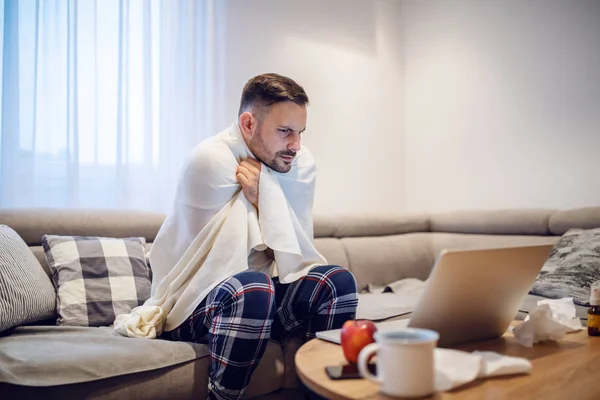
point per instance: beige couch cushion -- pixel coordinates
(324, 225)
(583, 218)
(333, 250)
(83, 362)
(178, 382)
(38, 252)
(184, 381)
(384, 259)
(32, 223)
(497, 222)
(58, 355)
(455, 241)
(371, 224)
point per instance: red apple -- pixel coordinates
(356, 334)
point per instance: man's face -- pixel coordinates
(276, 139)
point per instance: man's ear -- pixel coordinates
(247, 124)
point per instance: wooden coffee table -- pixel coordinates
(567, 369)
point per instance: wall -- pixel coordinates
(430, 105)
(502, 104)
(346, 54)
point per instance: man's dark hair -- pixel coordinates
(267, 89)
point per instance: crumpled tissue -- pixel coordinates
(550, 320)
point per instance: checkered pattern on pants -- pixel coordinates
(242, 313)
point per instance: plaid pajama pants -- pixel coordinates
(242, 313)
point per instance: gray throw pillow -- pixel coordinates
(571, 268)
(97, 278)
(26, 292)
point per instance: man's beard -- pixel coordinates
(261, 153)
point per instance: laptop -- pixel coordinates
(471, 295)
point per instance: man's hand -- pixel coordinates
(248, 175)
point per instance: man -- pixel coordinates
(276, 293)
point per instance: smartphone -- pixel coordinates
(347, 371)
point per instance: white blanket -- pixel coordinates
(213, 232)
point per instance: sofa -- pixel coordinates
(377, 248)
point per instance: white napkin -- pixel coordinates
(140, 323)
(550, 320)
(454, 368)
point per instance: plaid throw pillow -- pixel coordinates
(96, 278)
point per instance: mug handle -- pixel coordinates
(363, 358)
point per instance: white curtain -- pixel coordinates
(102, 100)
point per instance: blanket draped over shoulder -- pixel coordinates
(213, 232)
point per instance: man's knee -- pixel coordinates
(256, 292)
(339, 278)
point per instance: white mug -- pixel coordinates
(405, 362)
